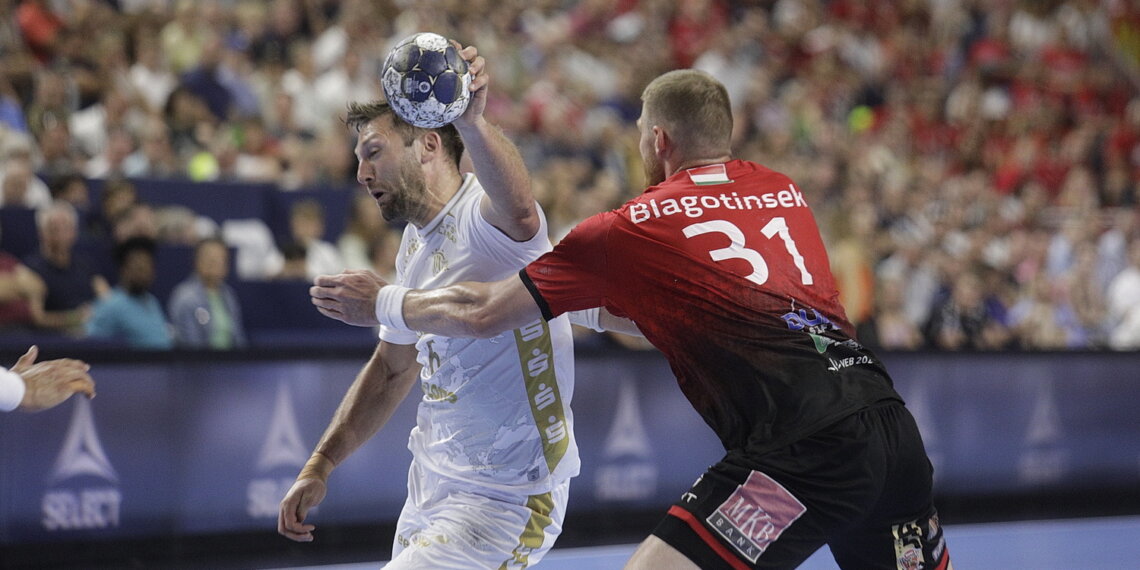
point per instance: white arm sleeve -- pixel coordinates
(11, 390)
(589, 318)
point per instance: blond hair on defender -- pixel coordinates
(693, 107)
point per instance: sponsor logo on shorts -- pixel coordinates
(908, 546)
(755, 515)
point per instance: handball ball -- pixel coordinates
(425, 80)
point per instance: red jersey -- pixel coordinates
(723, 269)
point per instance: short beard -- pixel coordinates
(404, 205)
(654, 171)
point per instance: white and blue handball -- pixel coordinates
(425, 80)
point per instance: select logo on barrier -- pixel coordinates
(281, 458)
(83, 490)
(628, 472)
(1043, 459)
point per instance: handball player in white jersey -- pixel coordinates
(493, 446)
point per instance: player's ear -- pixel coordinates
(662, 142)
(430, 145)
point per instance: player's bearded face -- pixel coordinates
(404, 193)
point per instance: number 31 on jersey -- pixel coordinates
(775, 227)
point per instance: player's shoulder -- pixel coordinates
(740, 167)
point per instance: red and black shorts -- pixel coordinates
(861, 486)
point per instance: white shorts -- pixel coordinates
(454, 524)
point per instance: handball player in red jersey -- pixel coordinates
(721, 266)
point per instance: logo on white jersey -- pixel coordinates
(282, 450)
(82, 505)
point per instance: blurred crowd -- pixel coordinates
(973, 164)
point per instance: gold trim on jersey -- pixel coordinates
(536, 355)
(533, 535)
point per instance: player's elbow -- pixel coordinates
(482, 322)
(523, 224)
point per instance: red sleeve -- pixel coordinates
(573, 275)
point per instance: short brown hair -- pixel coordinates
(694, 108)
(360, 114)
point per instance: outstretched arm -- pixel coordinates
(509, 204)
(46, 384)
(467, 309)
(379, 388)
(470, 309)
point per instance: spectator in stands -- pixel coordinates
(50, 103)
(136, 220)
(180, 226)
(204, 310)
(73, 189)
(300, 82)
(1085, 291)
(1039, 322)
(365, 228)
(186, 114)
(72, 284)
(307, 228)
(116, 111)
(1124, 302)
(118, 195)
(182, 36)
(111, 162)
(257, 157)
(21, 295)
(852, 261)
(155, 157)
(131, 314)
(149, 75)
(293, 266)
(20, 187)
(11, 108)
(205, 79)
(889, 327)
(57, 152)
(967, 319)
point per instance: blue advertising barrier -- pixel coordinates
(182, 444)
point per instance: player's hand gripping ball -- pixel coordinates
(426, 80)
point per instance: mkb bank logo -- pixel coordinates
(83, 491)
(281, 458)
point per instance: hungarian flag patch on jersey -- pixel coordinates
(708, 175)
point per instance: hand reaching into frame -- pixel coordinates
(349, 297)
(49, 383)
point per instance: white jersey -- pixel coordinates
(495, 411)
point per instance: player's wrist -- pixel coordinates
(319, 467)
(390, 306)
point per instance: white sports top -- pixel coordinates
(496, 411)
(11, 390)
